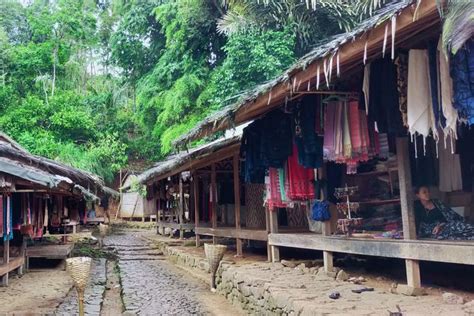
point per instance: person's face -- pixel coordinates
(423, 194)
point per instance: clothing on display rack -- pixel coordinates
(466, 154)
(308, 142)
(401, 61)
(434, 82)
(300, 179)
(384, 107)
(274, 194)
(450, 177)
(462, 73)
(449, 113)
(419, 104)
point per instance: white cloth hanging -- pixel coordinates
(365, 87)
(420, 114)
(450, 177)
(446, 94)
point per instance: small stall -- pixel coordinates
(38, 198)
(358, 127)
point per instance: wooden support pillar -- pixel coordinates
(406, 201)
(6, 260)
(181, 206)
(21, 269)
(196, 206)
(213, 202)
(273, 219)
(235, 164)
(328, 257)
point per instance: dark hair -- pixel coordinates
(418, 188)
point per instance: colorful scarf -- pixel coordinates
(274, 195)
(329, 132)
(300, 179)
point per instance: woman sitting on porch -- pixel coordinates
(436, 220)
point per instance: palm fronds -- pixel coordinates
(458, 24)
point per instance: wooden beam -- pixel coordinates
(181, 206)
(423, 250)
(275, 251)
(406, 201)
(328, 257)
(6, 260)
(196, 206)
(213, 199)
(231, 232)
(235, 165)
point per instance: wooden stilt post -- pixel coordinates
(213, 202)
(328, 258)
(181, 207)
(196, 206)
(6, 260)
(408, 215)
(267, 228)
(273, 215)
(235, 164)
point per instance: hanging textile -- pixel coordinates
(274, 194)
(450, 177)
(402, 84)
(300, 179)
(266, 143)
(420, 111)
(366, 87)
(384, 108)
(309, 144)
(464, 146)
(449, 113)
(433, 61)
(424, 168)
(329, 131)
(384, 148)
(8, 218)
(346, 138)
(462, 72)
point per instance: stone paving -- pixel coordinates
(94, 292)
(150, 285)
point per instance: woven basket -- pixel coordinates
(79, 269)
(103, 230)
(214, 255)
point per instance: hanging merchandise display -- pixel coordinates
(275, 195)
(308, 142)
(266, 143)
(402, 84)
(462, 73)
(300, 179)
(384, 109)
(449, 113)
(419, 104)
(320, 211)
(450, 177)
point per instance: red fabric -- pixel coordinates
(274, 198)
(300, 179)
(354, 125)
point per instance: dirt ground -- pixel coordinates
(38, 291)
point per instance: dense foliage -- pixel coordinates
(102, 83)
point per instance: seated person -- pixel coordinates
(436, 220)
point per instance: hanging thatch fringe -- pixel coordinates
(338, 64)
(394, 29)
(365, 51)
(317, 76)
(385, 40)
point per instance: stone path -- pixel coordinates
(94, 292)
(150, 285)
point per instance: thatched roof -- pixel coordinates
(179, 162)
(224, 118)
(17, 161)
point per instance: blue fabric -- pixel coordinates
(266, 143)
(433, 67)
(462, 73)
(320, 211)
(308, 143)
(5, 223)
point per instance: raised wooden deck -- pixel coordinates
(231, 232)
(186, 226)
(426, 250)
(13, 264)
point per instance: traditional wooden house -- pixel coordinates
(38, 196)
(365, 91)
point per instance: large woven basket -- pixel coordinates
(79, 269)
(103, 230)
(214, 255)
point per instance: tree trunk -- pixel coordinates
(55, 57)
